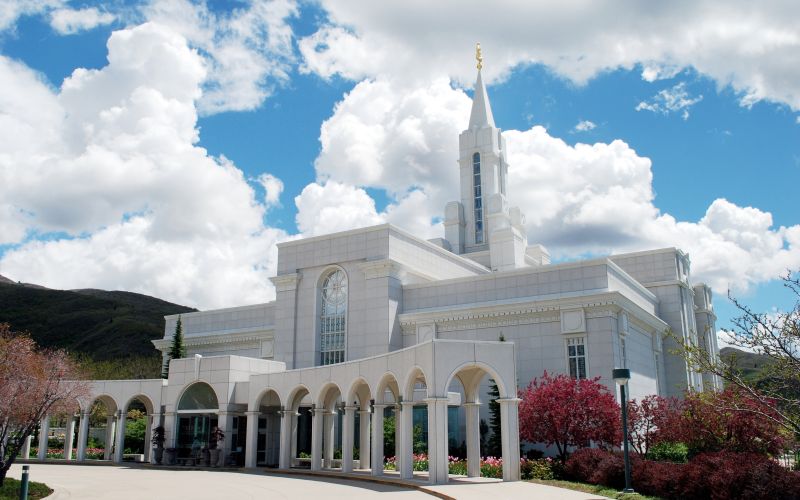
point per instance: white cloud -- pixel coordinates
(111, 159)
(273, 187)
(247, 51)
(70, 21)
(11, 10)
(754, 47)
(578, 199)
(671, 100)
(584, 126)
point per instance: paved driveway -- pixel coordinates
(86, 482)
(106, 481)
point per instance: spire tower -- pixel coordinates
(482, 226)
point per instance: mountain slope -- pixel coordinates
(103, 325)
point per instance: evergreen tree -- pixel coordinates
(177, 350)
(494, 446)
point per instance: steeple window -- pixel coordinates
(478, 198)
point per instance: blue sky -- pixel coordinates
(694, 124)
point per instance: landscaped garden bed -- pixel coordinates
(10, 490)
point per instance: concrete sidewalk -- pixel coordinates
(137, 482)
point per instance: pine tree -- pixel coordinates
(494, 446)
(177, 350)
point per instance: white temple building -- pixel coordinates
(376, 321)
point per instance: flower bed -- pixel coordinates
(542, 468)
(91, 453)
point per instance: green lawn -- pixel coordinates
(10, 490)
(593, 488)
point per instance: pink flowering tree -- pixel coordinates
(569, 413)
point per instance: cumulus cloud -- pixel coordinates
(753, 47)
(587, 198)
(584, 126)
(247, 51)
(111, 160)
(273, 187)
(70, 21)
(11, 10)
(671, 100)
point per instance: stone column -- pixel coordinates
(225, 424)
(26, 448)
(437, 440)
(83, 434)
(348, 438)
(406, 449)
(110, 425)
(509, 432)
(155, 422)
(69, 437)
(148, 437)
(44, 433)
(285, 452)
(398, 437)
(251, 441)
(329, 437)
(473, 431)
(364, 434)
(377, 439)
(119, 451)
(170, 429)
(317, 423)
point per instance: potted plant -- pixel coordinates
(215, 439)
(157, 440)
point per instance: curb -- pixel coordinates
(388, 481)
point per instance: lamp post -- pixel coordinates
(621, 377)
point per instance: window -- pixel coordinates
(332, 321)
(576, 357)
(476, 178)
(624, 352)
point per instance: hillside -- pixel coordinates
(99, 324)
(750, 363)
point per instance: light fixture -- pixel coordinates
(621, 377)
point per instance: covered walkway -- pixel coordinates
(265, 410)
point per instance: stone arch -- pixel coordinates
(415, 374)
(470, 375)
(359, 393)
(387, 383)
(144, 399)
(272, 396)
(199, 395)
(327, 396)
(296, 396)
(107, 400)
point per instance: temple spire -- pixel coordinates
(481, 114)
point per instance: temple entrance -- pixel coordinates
(197, 417)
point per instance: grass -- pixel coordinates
(10, 490)
(593, 488)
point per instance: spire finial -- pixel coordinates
(478, 55)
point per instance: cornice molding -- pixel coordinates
(245, 340)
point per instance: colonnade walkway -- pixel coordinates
(264, 411)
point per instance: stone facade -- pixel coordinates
(375, 321)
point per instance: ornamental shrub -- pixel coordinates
(583, 463)
(729, 475)
(662, 479)
(669, 451)
(541, 468)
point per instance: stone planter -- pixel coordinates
(214, 457)
(170, 454)
(158, 454)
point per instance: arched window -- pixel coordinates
(476, 177)
(333, 327)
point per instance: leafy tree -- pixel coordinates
(177, 350)
(33, 383)
(566, 412)
(649, 420)
(708, 423)
(389, 428)
(494, 443)
(775, 395)
(135, 428)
